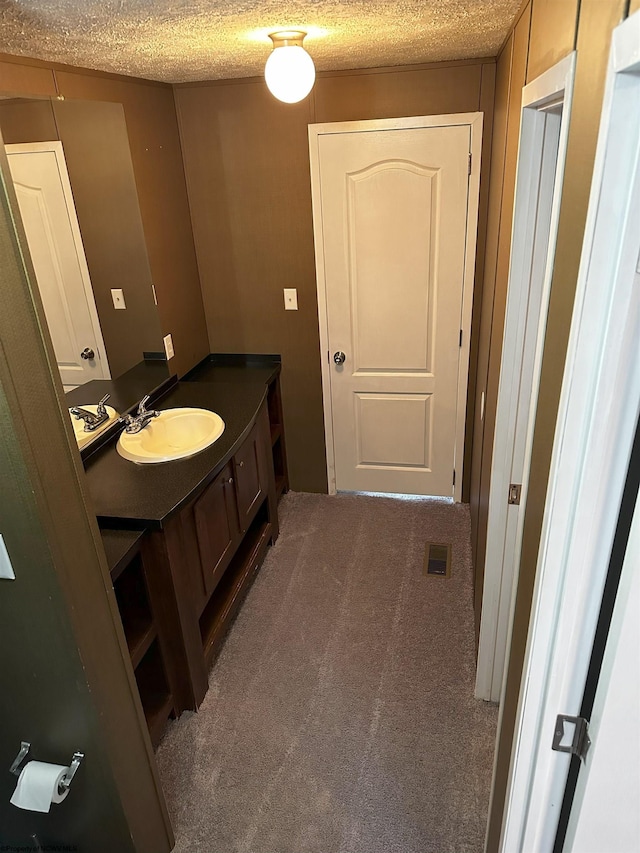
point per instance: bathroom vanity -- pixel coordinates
(184, 539)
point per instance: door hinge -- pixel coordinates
(454, 476)
(580, 742)
(470, 157)
(514, 493)
(460, 341)
(328, 357)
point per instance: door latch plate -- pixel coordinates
(580, 742)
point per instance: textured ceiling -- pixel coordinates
(186, 40)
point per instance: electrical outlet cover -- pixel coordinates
(168, 346)
(290, 299)
(117, 294)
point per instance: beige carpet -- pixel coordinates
(340, 716)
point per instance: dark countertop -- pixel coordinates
(230, 368)
(138, 496)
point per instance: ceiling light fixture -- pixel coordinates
(289, 72)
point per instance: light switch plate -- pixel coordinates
(117, 294)
(290, 299)
(168, 346)
(6, 569)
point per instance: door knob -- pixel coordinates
(87, 353)
(339, 357)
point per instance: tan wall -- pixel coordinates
(96, 148)
(596, 21)
(28, 121)
(553, 33)
(20, 79)
(634, 6)
(157, 161)
(247, 164)
(511, 71)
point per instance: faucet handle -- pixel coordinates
(101, 409)
(142, 405)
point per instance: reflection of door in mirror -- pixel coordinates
(96, 150)
(51, 226)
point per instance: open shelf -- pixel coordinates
(157, 700)
(276, 432)
(279, 469)
(135, 611)
(120, 546)
(228, 595)
(278, 450)
(141, 643)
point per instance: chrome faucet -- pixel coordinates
(91, 421)
(138, 422)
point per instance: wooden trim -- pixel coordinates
(79, 69)
(397, 69)
(347, 72)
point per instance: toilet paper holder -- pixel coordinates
(66, 780)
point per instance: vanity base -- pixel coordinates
(206, 557)
(181, 580)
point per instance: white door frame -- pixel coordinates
(527, 306)
(474, 122)
(598, 412)
(55, 147)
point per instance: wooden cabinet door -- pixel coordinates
(216, 527)
(249, 485)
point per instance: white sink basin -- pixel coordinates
(174, 434)
(83, 438)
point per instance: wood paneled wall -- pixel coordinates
(553, 34)
(152, 128)
(511, 71)
(552, 38)
(24, 120)
(247, 164)
(67, 680)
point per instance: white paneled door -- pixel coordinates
(48, 214)
(393, 208)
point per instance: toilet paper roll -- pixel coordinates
(38, 785)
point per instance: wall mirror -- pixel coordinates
(73, 175)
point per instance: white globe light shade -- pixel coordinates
(289, 73)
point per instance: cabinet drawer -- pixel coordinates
(249, 482)
(216, 527)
